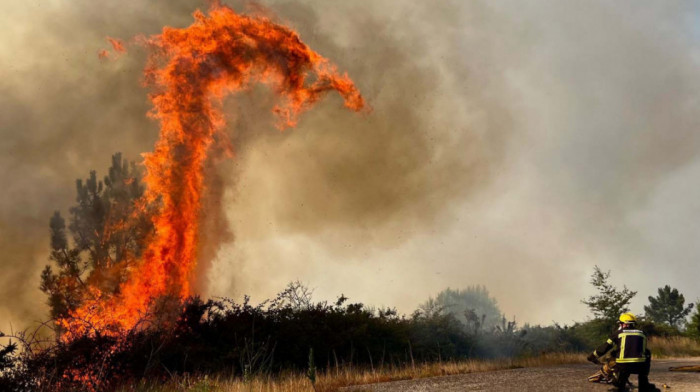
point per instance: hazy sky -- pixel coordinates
(511, 145)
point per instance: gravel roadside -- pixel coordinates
(554, 378)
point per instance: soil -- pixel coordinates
(553, 378)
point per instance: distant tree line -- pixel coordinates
(667, 313)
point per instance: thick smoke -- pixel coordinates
(513, 146)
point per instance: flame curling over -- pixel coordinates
(192, 70)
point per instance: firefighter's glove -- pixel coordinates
(592, 358)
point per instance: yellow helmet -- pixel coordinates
(628, 318)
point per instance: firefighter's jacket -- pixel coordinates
(626, 346)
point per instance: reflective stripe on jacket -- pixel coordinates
(633, 345)
(628, 346)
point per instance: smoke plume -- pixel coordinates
(509, 145)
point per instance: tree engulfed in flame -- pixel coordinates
(191, 70)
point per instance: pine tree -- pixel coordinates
(108, 228)
(668, 307)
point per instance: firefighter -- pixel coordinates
(628, 347)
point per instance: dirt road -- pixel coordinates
(556, 378)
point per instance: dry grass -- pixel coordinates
(676, 346)
(335, 379)
(338, 378)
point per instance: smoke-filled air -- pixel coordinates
(382, 150)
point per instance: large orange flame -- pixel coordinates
(192, 69)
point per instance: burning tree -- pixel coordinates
(105, 234)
